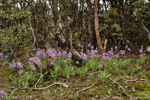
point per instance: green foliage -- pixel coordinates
(27, 79)
(142, 60)
(103, 76)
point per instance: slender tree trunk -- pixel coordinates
(91, 34)
(97, 26)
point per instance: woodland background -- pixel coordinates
(28, 24)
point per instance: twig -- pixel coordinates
(15, 89)
(136, 80)
(38, 79)
(94, 73)
(32, 34)
(85, 88)
(57, 83)
(105, 44)
(137, 98)
(122, 89)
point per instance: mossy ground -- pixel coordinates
(136, 83)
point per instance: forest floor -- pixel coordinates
(115, 85)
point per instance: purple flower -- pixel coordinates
(59, 54)
(38, 62)
(122, 52)
(114, 64)
(116, 47)
(27, 54)
(126, 47)
(129, 49)
(89, 45)
(65, 61)
(79, 45)
(1, 54)
(19, 65)
(117, 56)
(64, 53)
(14, 65)
(82, 50)
(82, 46)
(31, 59)
(21, 72)
(88, 51)
(84, 56)
(101, 66)
(69, 55)
(141, 50)
(5, 57)
(77, 62)
(53, 55)
(92, 47)
(2, 93)
(31, 67)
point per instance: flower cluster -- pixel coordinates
(2, 56)
(17, 65)
(141, 52)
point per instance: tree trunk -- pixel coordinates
(91, 34)
(146, 29)
(97, 26)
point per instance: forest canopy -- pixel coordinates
(25, 24)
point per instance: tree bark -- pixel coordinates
(146, 29)
(97, 27)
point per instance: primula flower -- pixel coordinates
(59, 54)
(69, 55)
(82, 50)
(2, 93)
(126, 47)
(92, 47)
(21, 72)
(31, 59)
(117, 56)
(65, 61)
(77, 62)
(5, 57)
(101, 66)
(64, 53)
(31, 67)
(89, 45)
(82, 46)
(129, 49)
(122, 52)
(116, 47)
(79, 45)
(14, 65)
(53, 55)
(1, 54)
(140, 51)
(38, 62)
(19, 65)
(114, 64)
(84, 56)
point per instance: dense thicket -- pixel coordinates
(25, 24)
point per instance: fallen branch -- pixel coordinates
(94, 73)
(137, 98)
(85, 88)
(32, 34)
(63, 84)
(130, 98)
(137, 80)
(15, 90)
